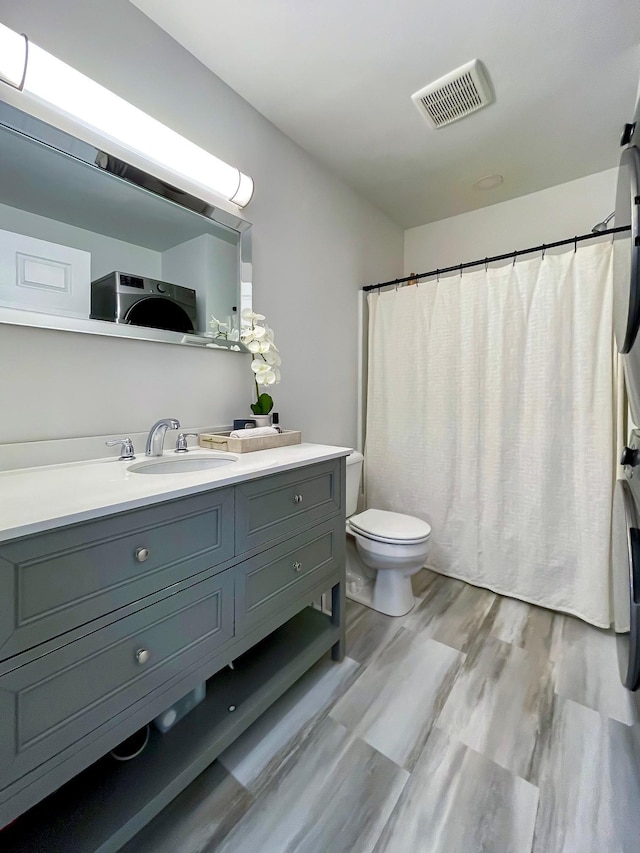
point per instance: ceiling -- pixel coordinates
(337, 78)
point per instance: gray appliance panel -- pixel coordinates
(626, 564)
(626, 245)
(626, 270)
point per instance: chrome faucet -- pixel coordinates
(155, 439)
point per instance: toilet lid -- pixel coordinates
(390, 526)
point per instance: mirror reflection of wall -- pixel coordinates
(65, 223)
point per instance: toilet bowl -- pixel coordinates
(390, 547)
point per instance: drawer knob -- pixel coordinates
(297, 499)
(142, 656)
(142, 554)
(297, 567)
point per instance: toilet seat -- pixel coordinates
(394, 528)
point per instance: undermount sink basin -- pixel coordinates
(180, 465)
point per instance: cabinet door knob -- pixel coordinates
(297, 567)
(142, 655)
(142, 554)
(297, 499)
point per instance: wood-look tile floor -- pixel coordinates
(474, 723)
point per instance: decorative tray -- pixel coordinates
(223, 441)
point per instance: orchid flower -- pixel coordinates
(259, 340)
(223, 330)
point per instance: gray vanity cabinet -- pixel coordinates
(53, 582)
(106, 623)
(280, 505)
(269, 583)
(58, 699)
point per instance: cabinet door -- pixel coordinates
(56, 581)
(289, 573)
(283, 504)
(51, 703)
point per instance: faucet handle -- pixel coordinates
(126, 451)
(181, 443)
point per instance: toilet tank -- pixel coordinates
(354, 473)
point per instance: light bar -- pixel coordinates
(13, 57)
(48, 81)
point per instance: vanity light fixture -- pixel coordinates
(53, 87)
(13, 57)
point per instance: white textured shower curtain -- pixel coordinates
(490, 413)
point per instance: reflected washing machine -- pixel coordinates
(141, 301)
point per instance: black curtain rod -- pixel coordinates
(459, 267)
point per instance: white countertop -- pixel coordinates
(37, 499)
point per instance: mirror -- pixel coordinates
(89, 243)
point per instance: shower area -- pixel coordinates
(494, 412)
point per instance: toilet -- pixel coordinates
(384, 549)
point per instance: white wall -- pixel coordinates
(315, 243)
(107, 253)
(546, 216)
(209, 266)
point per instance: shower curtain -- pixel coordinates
(491, 412)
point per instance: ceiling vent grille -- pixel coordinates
(455, 95)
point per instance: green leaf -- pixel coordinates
(263, 405)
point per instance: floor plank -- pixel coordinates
(395, 702)
(369, 632)
(588, 672)
(589, 780)
(458, 801)
(532, 628)
(336, 796)
(501, 700)
(451, 612)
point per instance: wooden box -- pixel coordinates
(223, 441)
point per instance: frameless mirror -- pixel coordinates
(89, 243)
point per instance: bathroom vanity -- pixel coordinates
(119, 593)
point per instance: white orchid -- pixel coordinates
(262, 347)
(259, 340)
(271, 357)
(223, 330)
(264, 374)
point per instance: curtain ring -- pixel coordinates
(486, 264)
(460, 270)
(437, 276)
(515, 254)
(575, 244)
(544, 249)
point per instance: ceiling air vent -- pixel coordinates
(455, 95)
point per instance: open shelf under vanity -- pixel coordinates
(109, 802)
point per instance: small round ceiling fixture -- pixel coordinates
(489, 182)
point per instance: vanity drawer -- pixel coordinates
(58, 580)
(53, 702)
(268, 583)
(281, 505)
